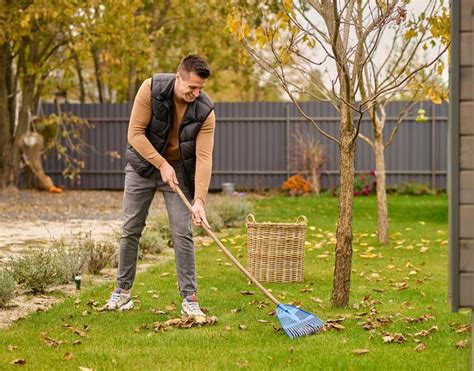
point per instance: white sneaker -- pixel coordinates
(190, 308)
(119, 301)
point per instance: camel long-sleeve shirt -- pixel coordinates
(139, 120)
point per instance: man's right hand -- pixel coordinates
(168, 175)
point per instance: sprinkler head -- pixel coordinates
(77, 280)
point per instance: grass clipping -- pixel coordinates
(185, 322)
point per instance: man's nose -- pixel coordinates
(196, 92)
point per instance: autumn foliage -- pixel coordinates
(296, 185)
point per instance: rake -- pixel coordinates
(295, 322)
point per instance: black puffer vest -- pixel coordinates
(159, 129)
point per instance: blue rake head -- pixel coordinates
(297, 322)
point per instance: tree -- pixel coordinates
(399, 62)
(32, 35)
(101, 51)
(295, 41)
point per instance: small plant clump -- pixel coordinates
(412, 188)
(160, 224)
(296, 185)
(7, 287)
(231, 210)
(39, 270)
(365, 184)
(74, 257)
(151, 242)
(101, 254)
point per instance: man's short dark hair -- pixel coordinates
(195, 63)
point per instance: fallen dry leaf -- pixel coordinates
(172, 307)
(463, 329)
(401, 285)
(77, 342)
(187, 322)
(18, 361)
(11, 348)
(242, 327)
(393, 338)
(158, 311)
(93, 303)
(50, 341)
(75, 330)
(243, 364)
(332, 325)
(164, 274)
(247, 293)
(259, 303)
(461, 344)
(423, 318)
(360, 351)
(68, 356)
(420, 347)
(427, 332)
(376, 322)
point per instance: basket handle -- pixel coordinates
(251, 218)
(301, 220)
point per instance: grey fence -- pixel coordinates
(254, 144)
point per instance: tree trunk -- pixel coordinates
(98, 74)
(28, 85)
(315, 181)
(7, 178)
(343, 262)
(78, 66)
(132, 81)
(382, 209)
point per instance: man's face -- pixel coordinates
(188, 86)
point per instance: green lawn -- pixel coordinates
(407, 279)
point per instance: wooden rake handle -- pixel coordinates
(227, 252)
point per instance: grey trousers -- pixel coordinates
(138, 195)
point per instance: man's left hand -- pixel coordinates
(199, 215)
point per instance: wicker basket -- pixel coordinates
(276, 250)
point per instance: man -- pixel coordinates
(170, 143)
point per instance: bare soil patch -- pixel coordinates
(31, 219)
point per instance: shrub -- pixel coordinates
(364, 184)
(7, 287)
(74, 258)
(151, 242)
(231, 210)
(310, 156)
(160, 224)
(38, 270)
(413, 188)
(296, 185)
(100, 255)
